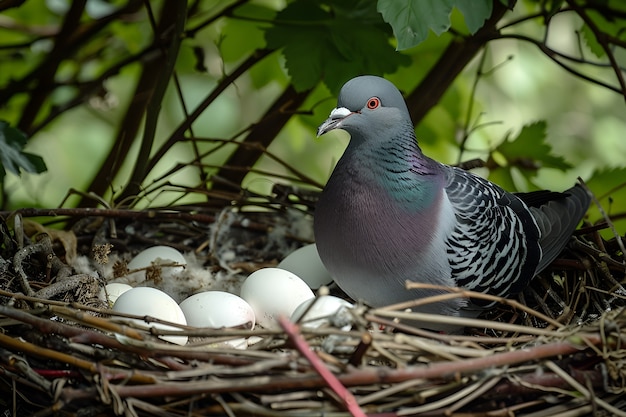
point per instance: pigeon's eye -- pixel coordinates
(373, 103)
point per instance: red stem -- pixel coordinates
(329, 378)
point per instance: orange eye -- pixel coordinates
(373, 103)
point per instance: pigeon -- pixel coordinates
(389, 214)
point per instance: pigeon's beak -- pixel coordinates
(338, 115)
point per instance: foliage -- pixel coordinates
(413, 19)
(167, 102)
(12, 157)
(528, 152)
(530, 145)
(332, 45)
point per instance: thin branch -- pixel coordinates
(87, 88)
(602, 39)
(45, 73)
(63, 49)
(590, 396)
(264, 132)
(171, 26)
(260, 148)
(453, 60)
(179, 133)
(446, 370)
(346, 397)
(552, 54)
(226, 12)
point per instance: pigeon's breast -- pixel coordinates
(372, 237)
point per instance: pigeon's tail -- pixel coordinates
(557, 215)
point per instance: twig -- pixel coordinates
(458, 397)
(460, 292)
(601, 37)
(552, 54)
(607, 219)
(164, 214)
(372, 375)
(179, 133)
(583, 390)
(331, 380)
(41, 352)
(170, 27)
(463, 322)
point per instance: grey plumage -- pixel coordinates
(390, 214)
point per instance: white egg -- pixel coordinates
(305, 262)
(217, 309)
(159, 255)
(111, 291)
(324, 309)
(273, 292)
(147, 301)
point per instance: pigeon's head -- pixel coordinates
(368, 107)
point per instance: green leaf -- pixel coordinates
(332, 43)
(12, 141)
(475, 12)
(591, 41)
(411, 20)
(614, 26)
(529, 150)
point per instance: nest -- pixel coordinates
(558, 350)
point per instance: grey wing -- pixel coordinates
(557, 215)
(494, 247)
